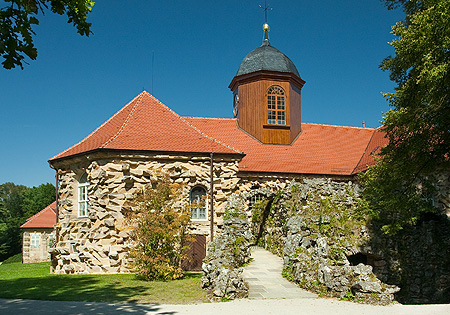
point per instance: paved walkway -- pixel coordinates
(263, 276)
(245, 306)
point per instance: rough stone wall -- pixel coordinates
(417, 259)
(38, 254)
(267, 184)
(442, 197)
(100, 242)
(275, 182)
(314, 227)
(227, 253)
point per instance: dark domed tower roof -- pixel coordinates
(266, 57)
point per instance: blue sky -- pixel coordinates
(79, 82)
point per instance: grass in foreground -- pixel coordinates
(33, 281)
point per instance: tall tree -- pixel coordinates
(17, 204)
(400, 187)
(18, 18)
(37, 198)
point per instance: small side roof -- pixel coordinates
(46, 218)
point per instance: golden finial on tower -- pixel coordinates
(265, 26)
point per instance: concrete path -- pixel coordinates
(248, 307)
(263, 276)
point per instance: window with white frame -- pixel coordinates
(276, 106)
(83, 196)
(35, 239)
(198, 201)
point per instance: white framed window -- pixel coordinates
(51, 239)
(83, 196)
(276, 106)
(199, 202)
(35, 239)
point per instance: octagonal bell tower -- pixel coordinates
(267, 95)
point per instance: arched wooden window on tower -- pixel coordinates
(276, 106)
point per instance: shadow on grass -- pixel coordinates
(69, 288)
(59, 308)
(30, 283)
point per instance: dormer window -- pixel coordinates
(276, 106)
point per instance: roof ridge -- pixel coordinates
(364, 152)
(340, 126)
(218, 118)
(193, 127)
(127, 119)
(93, 132)
(209, 137)
(307, 123)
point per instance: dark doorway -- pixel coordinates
(195, 254)
(357, 259)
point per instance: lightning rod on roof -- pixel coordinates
(153, 61)
(266, 25)
(265, 8)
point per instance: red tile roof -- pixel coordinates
(320, 149)
(46, 218)
(147, 124)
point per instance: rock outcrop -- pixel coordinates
(314, 226)
(227, 253)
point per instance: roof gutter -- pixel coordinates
(211, 192)
(57, 204)
(128, 151)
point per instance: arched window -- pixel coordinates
(197, 198)
(276, 106)
(83, 196)
(254, 199)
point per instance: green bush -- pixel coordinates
(159, 232)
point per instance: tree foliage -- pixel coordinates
(18, 18)
(399, 187)
(160, 226)
(17, 204)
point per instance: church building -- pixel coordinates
(265, 146)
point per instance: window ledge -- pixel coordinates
(200, 220)
(267, 126)
(81, 217)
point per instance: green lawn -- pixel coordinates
(33, 281)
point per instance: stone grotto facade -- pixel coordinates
(264, 147)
